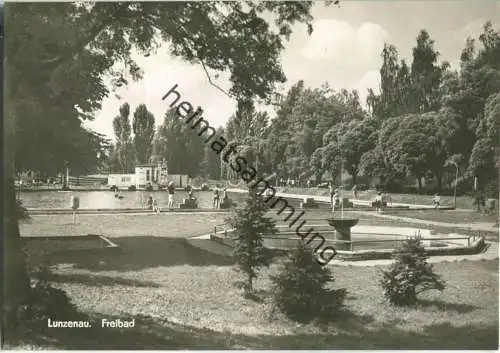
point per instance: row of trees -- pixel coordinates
(128, 150)
(425, 118)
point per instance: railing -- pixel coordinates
(285, 236)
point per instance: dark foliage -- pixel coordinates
(300, 291)
(410, 275)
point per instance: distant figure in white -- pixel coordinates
(156, 208)
(436, 201)
(336, 200)
(332, 192)
(75, 205)
(171, 192)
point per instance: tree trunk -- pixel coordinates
(250, 283)
(15, 283)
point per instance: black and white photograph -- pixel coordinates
(250, 175)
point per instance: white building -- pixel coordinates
(121, 180)
(148, 174)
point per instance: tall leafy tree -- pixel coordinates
(73, 46)
(124, 147)
(426, 74)
(250, 224)
(144, 129)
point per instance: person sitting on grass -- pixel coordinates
(436, 200)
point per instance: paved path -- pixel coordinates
(327, 199)
(483, 226)
(491, 253)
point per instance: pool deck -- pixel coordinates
(327, 200)
(480, 226)
(112, 211)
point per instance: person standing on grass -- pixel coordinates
(171, 192)
(75, 205)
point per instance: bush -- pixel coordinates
(410, 275)
(133, 188)
(250, 224)
(205, 187)
(299, 288)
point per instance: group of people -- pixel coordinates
(335, 195)
(218, 199)
(291, 182)
(153, 203)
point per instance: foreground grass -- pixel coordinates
(167, 225)
(189, 300)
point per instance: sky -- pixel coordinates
(343, 50)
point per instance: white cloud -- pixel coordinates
(472, 29)
(345, 46)
(370, 79)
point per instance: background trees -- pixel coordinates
(144, 129)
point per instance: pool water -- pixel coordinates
(107, 199)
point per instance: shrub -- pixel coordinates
(133, 188)
(250, 224)
(410, 274)
(299, 288)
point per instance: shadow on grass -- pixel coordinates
(152, 334)
(136, 253)
(97, 280)
(444, 306)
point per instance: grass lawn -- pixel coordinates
(183, 296)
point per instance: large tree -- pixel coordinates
(144, 129)
(73, 46)
(123, 148)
